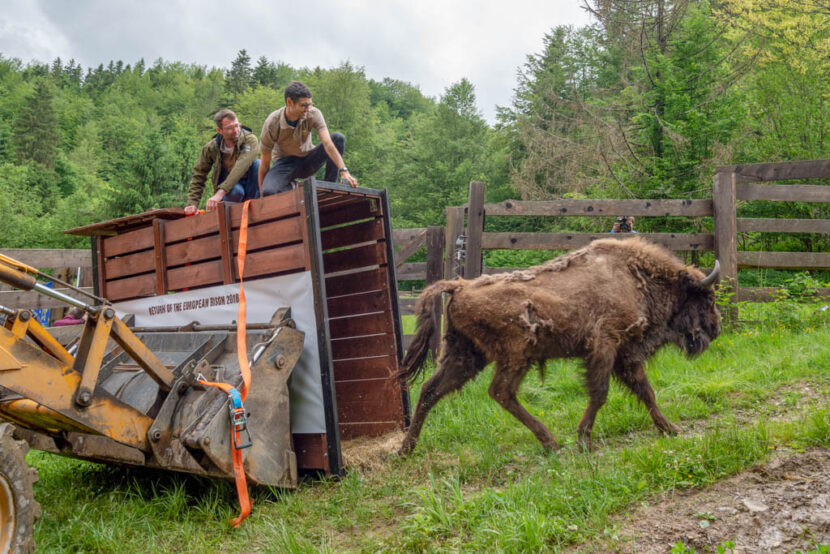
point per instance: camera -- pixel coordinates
(625, 227)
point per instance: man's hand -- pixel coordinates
(213, 201)
(190, 210)
(349, 179)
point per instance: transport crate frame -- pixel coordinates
(342, 235)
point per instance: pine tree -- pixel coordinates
(238, 78)
(36, 131)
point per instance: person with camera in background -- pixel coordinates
(624, 224)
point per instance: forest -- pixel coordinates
(642, 103)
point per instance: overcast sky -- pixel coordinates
(429, 43)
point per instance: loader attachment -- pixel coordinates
(132, 416)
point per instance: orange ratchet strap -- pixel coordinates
(235, 399)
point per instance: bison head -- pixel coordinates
(696, 320)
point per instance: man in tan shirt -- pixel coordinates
(286, 140)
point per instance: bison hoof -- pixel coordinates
(406, 449)
(550, 446)
(584, 444)
(669, 428)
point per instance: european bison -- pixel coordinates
(612, 303)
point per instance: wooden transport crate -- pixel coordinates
(341, 235)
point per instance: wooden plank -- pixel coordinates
(401, 236)
(360, 325)
(726, 242)
(362, 256)
(130, 264)
(770, 294)
(340, 237)
(363, 303)
(779, 225)
(412, 272)
(98, 267)
(435, 270)
(16, 299)
(271, 207)
(455, 228)
(195, 275)
(368, 390)
(277, 260)
(603, 207)
(475, 230)
(226, 242)
(160, 256)
(435, 254)
(379, 367)
(569, 241)
(131, 287)
(787, 260)
(779, 171)
(363, 347)
(353, 283)
(44, 258)
(311, 450)
(366, 209)
(369, 401)
(408, 249)
(784, 193)
(350, 431)
(131, 241)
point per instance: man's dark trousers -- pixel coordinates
(248, 186)
(285, 170)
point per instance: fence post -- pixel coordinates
(435, 272)
(455, 228)
(726, 239)
(475, 230)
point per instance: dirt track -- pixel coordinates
(782, 506)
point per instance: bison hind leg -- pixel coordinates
(503, 389)
(459, 362)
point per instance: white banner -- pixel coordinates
(219, 305)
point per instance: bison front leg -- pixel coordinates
(633, 376)
(460, 361)
(503, 390)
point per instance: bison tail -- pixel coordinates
(428, 324)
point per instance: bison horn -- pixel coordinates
(712, 278)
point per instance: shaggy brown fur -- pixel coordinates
(612, 303)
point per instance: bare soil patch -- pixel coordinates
(781, 506)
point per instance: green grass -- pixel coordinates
(478, 479)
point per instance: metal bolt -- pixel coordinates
(205, 441)
(109, 313)
(155, 435)
(280, 362)
(84, 398)
(24, 316)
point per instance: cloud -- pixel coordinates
(430, 43)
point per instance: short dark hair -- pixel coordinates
(296, 90)
(223, 114)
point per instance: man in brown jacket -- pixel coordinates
(231, 156)
(286, 140)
